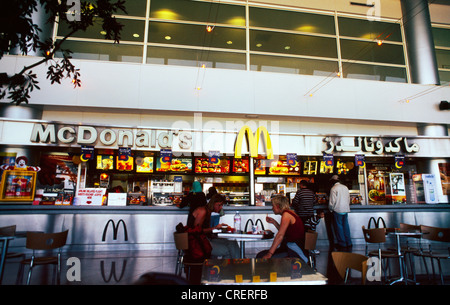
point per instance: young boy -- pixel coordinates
(312, 222)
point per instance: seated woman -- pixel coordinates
(290, 238)
(201, 216)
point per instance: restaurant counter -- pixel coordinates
(151, 227)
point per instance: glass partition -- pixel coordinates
(196, 35)
(195, 58)
(292, 21)
(374, 72)
(133, 30)
(372, 52)
(285, 43)
(209, 12)
(292, 65)
(366, 29)
(103, 51)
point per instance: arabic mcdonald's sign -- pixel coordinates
(253, 142)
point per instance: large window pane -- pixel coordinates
(293, 21)
(372, 52)
(195, 58)
(103, 51)
(443, 58)
(209, 12)
(133, 30)
(367, 29)
(265, 41)
(441, 37)
(292, 65)
(135, 8)
(371, 72)
(196, 35)
(444, 77)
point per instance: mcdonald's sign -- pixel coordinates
(115, 229)
(253, 142)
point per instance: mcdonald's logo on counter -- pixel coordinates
(253, 142)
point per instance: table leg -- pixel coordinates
(400, 263)
(242, 249)
(2, 259)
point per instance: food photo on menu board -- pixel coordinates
(240, 166)
(144, 164)
(202, 165)
(175, 165)
(125, 165)
(105, 162)
(281, 167)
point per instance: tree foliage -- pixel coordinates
(18, 32)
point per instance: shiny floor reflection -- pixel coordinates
(125, 267)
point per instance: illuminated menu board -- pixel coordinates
(105, 162)
(202, 165)
(145, 165)
(125, 165)
(175, 165)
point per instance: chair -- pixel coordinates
(439, 235)
(183, 261)
(378, 236)
(310, 245)
(344, 261)
(43, 241)
(10, 231)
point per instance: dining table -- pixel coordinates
(242, 238)
(5, 244)
(401, 233)
(259, 271)
(5, 239)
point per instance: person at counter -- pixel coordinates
(339, 205)
(290, 238)
(303, 202)
(195, 198)
(201, 216)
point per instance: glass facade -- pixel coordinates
(441, 37)
(245, 37)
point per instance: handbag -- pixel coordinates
(199, 246)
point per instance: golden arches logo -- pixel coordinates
(253, 142)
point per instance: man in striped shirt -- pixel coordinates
(303, 202)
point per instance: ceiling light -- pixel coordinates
(287, 47)
(103, 32)
(259, 45)
(229, 42)
(379, 42)
(209, 28)
(135, 35)
(167, 37)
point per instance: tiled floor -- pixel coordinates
(125, 267)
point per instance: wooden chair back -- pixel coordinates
(346, 260)
(46, 241)
(377, 235)
(8, 230)
(408, 227)
(181, 241)
(310, 240)
(435, 233)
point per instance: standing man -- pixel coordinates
(303, 202)
(339, 205)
